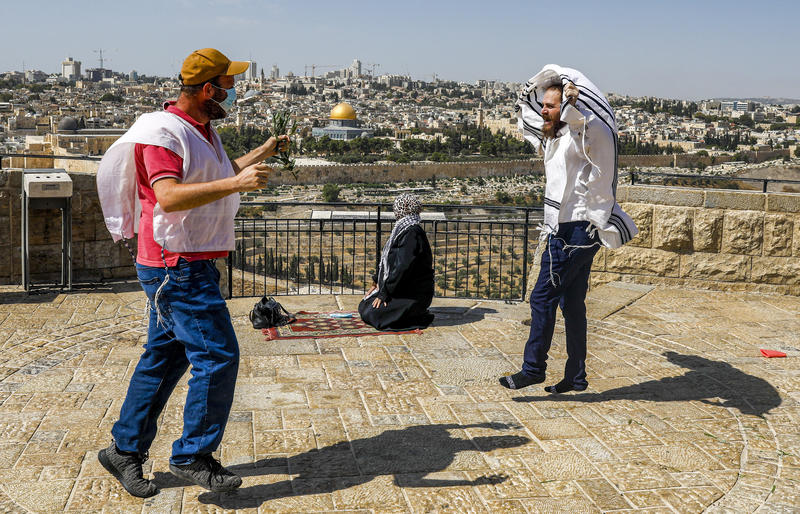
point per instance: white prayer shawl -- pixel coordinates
(205, 228)
(581, 161)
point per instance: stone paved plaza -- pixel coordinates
(682, 413)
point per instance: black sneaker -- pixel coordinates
(520, 380)
(207, 472)
(127, 468)
(564, 387)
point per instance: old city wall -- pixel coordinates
(693, 160)
(641, 161)
(340, 174)
(388, 173)
(714, 239)
(94, 254)
(391, 173)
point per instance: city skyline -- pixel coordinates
(688, 51)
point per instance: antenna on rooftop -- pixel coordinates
(101, 59)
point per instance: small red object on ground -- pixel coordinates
(772, 353)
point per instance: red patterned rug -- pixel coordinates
(322, 325)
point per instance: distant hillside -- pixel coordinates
(789, 172)
(764, 100)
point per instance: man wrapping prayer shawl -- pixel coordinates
(403, 284)
(560, 110)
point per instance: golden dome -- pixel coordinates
(343, 111)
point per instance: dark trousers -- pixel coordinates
(563, 280)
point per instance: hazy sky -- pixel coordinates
(677, 49)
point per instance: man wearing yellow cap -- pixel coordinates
(174, 164)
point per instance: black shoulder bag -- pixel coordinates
(268, 313)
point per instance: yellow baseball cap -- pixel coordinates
(205, 64)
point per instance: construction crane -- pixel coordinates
(371, 67)
(315, 66)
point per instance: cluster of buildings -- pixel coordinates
(773, 126)
(71, 73)
(81, 112)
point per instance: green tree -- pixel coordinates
(502, 197)
(111, 97)
(746, 120)
(330, 192)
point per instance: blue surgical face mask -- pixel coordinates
(229, 100)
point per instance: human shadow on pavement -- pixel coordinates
(455, 316)
(409, 454)
(706, 379)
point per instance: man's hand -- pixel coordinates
(571, 92)
(377, 303)
(253, 177)
(371, 289)
(269, 149)
(274, 145)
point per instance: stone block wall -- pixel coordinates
(724, 240)
(94, 255)
(727, 240)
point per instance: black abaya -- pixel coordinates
(408, 288)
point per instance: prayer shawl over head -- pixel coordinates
(581, 161)
(205, 228)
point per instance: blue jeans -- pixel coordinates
(196, 329)
(563, 280)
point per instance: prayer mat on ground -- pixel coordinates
(326, 325)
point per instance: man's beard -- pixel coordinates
(213, 110)
(552, 129)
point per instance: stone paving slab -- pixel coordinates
(682, 413)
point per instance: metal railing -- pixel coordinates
(478, 251)
(711, 181)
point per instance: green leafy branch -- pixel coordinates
(282, 124)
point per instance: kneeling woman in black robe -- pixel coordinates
(403, 285)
